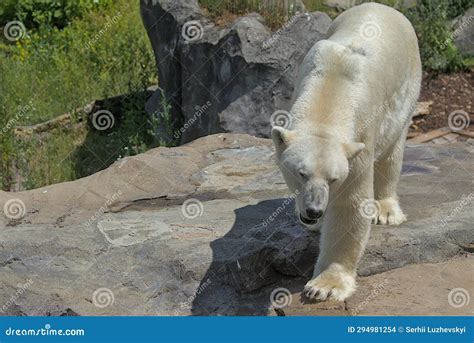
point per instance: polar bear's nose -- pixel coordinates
(314, 213)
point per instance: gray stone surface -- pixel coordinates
(243, 70)
(426, 289)
(230, 251)
(464, 33)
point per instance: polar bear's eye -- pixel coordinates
(302, 174)
(332, 180)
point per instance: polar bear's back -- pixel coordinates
(381, 47)
(382, 34)
(369, 63)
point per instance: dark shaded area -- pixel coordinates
(117, 127)
(254, 259)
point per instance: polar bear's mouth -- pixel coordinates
(307, 221)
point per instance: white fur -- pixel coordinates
(352, 105)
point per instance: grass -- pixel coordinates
(59, 70)
(54, 70)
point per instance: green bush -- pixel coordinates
(57, 13)
(458, 7)
(431, 21)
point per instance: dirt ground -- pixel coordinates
(449, 92)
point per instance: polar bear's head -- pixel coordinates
(312, 165)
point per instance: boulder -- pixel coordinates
(225, 78)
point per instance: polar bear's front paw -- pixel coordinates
(330, 285)
(389, 212)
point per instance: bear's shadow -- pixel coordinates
(264, 255)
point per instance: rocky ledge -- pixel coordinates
(206, 228)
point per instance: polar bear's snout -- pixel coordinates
(314, 200)
(313, 212)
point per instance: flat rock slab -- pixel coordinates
(208, 228)
(424, 289)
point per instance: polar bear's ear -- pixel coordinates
(281, 138)
(353, 149)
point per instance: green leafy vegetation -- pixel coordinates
(57, 13)
(431, 19)
(88, 50)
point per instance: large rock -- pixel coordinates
(225, 79)
(136, 234)
(464, 33)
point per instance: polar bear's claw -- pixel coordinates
(389, 213)
(330, 286)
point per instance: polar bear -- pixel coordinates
(342, 149)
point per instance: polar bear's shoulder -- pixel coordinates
(333, 57)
